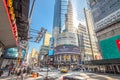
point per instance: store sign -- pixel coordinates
(110, 47)
(118, 44)
(67, 49)
(11, 15)
(14, 53)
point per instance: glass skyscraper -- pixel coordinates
(60, 9)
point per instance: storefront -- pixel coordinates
(67, 55)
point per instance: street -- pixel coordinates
(79, 75)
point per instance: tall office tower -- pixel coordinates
(69, 18)
(84, 43)
(92, 36)
(66, 50)
(57, 18)
(106, 17)
(60, 9)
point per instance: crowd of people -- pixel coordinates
(13, 70)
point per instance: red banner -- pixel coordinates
(118, 44)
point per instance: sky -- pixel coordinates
(43, 16)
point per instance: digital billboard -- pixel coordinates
(105, 12)
(110, 47)
(50, 52)
(67, 49)
(67, 38)
(47, 39)
(12, 53)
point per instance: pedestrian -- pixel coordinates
(9, 70)
(28, 70)
(1, 72)
(18, 73)
(24, 71)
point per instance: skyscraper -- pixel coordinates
(63, 18)
(92, 36)
(69, 18)
(106, 17)
(66, 48)
(59, 17)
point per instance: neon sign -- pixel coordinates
(11, 16)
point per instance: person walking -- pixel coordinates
(18, 73)
(24, 72)
(9, 70)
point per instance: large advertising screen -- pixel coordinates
(47, 39)
(67, 49)
(12, 53)
(50, 52)
(67, 38)
(105, 12)
(110, 47)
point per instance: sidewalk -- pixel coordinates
(11, 77)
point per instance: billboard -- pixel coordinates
(47, 39)
(105, 12)
(51, 52)
(110, 47)
(12, 53)
(67, 38)
(67, 49)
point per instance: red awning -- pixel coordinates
(7, 30)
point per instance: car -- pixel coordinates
(64, 70)
(45, 69)
(76, 69)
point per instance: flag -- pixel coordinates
(118, 44)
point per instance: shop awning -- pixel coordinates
(7, 37)
(103, 62)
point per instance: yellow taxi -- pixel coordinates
(64, 70)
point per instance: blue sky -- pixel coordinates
(43, 16)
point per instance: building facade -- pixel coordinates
(60, 9)
(84, 43)
(107, 25)
(66, 50)
(106, 17)
(92, 36)
(44, 49)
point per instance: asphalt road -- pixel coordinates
(57, 75)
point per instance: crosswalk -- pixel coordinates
(59, 76)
